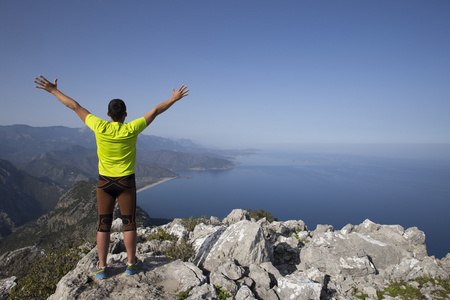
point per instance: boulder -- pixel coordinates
(243, 242)
(412, 268)
(244, 293)
(299, 287)
(352, 254)
(235, 216)
(231, 270)
(216, 278)
(412, 239)
(205, 291)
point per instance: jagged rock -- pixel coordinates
(175, 228)
(19, 262)
(205, 291)
(350, 254)
(178, 276)
(214, 221)
(161, 278)
(299, 287)
(117, 225)
(6, 285)
(246, 281)
(295, 226)
(412, 268)
(260, 276)
(243, 242)
(262, 293)
(204, 238)
(244, 293)
(412, 239)
(269, 268)
(231, 270)
(235, 216)
(217, 278)
(278, 228)
(243, 261)
(323, 228)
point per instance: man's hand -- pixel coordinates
(182, 92)
(45, 84)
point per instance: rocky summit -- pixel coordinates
(243, 258)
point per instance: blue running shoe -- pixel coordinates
(133, 268)
(100, 273)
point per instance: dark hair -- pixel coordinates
(117, 109)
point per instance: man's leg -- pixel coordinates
(102, 247)
(127, 203)
(130, 239)
(105, 205)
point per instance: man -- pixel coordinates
(116, 149)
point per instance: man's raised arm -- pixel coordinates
(67, 101)
(160, 108)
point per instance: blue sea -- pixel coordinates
(332, 189)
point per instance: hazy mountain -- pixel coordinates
(23, 198)
(21, 143)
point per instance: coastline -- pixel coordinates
(155, 183)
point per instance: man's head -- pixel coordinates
(117, 110)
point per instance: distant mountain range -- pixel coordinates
(37, 164)
(23, 198)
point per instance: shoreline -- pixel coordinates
(155, 183)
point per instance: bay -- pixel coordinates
(318, 189)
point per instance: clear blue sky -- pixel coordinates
(261, 73)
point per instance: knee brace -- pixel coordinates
(104, 223)
(128, 223)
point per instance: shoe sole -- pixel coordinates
(130, 272)
(100, 276)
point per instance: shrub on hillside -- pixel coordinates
(43, 277)
(259, 214)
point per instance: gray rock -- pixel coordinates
(184, 275)
(19, 262)
(243, 242)
(160, 278)
(295, 226)
(412, 268)
(235, 216)
(351, 254)
(246, 281)
(205, 291)
(299, 287)
(214, 221)
(117, 225)
(411, 240)
(6, 285)
(260, 277)
(278, 228)
(217, 278)
(231, 270)
(176, 229)
(263, 293)
(323, 228)
(203, 239)
(269, 268)
(244, 293)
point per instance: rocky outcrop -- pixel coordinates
(252, 259)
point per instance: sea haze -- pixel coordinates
(330, 189)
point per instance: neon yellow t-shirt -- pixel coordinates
(116, 145)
